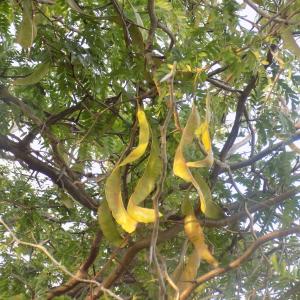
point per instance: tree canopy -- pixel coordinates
(148, 149)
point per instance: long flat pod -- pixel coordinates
(27, 30)
(289, 42)
(189, 271)
(113, 183)
(195, 233)
(108, 226)
(181, 169)
(37, 75)
(115, 202)
(146, 185)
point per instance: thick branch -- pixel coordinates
(222, 85)
(236, 125)
(251, 209)
(239, 112)
(81, 273)
(58, 177)
(237, 262)
(264, 13)
(264, 152)
(129, 256)
(153, 25)
(262, 205)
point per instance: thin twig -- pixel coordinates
(160, 185)
(57, 263)
(238, 261)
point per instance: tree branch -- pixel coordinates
(265, 152)
(82, 271)
(55, 262)
(58, 177)
(236, 125)
(265, 204)
(238, 261)
(129, 256)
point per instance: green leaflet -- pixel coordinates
(37, 75)
(27, 30)
(67, 200)
(186, 207)
(289, 42)
(108, 226)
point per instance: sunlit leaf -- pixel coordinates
(67, 201)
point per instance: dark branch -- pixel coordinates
(58, 177)
(82, 271)
(238, 261)
(129, 256)
(236, 125)
(264, 153)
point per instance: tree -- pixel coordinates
(149, 149)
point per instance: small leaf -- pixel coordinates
(37, 75)
(27, 30)
(108, 226)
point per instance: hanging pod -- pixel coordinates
(37, 75)
(146, 185)
(195, 129)
(289, 41)
(27, 30)
(108, 226)
(129, 218)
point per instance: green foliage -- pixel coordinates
(72, 75)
